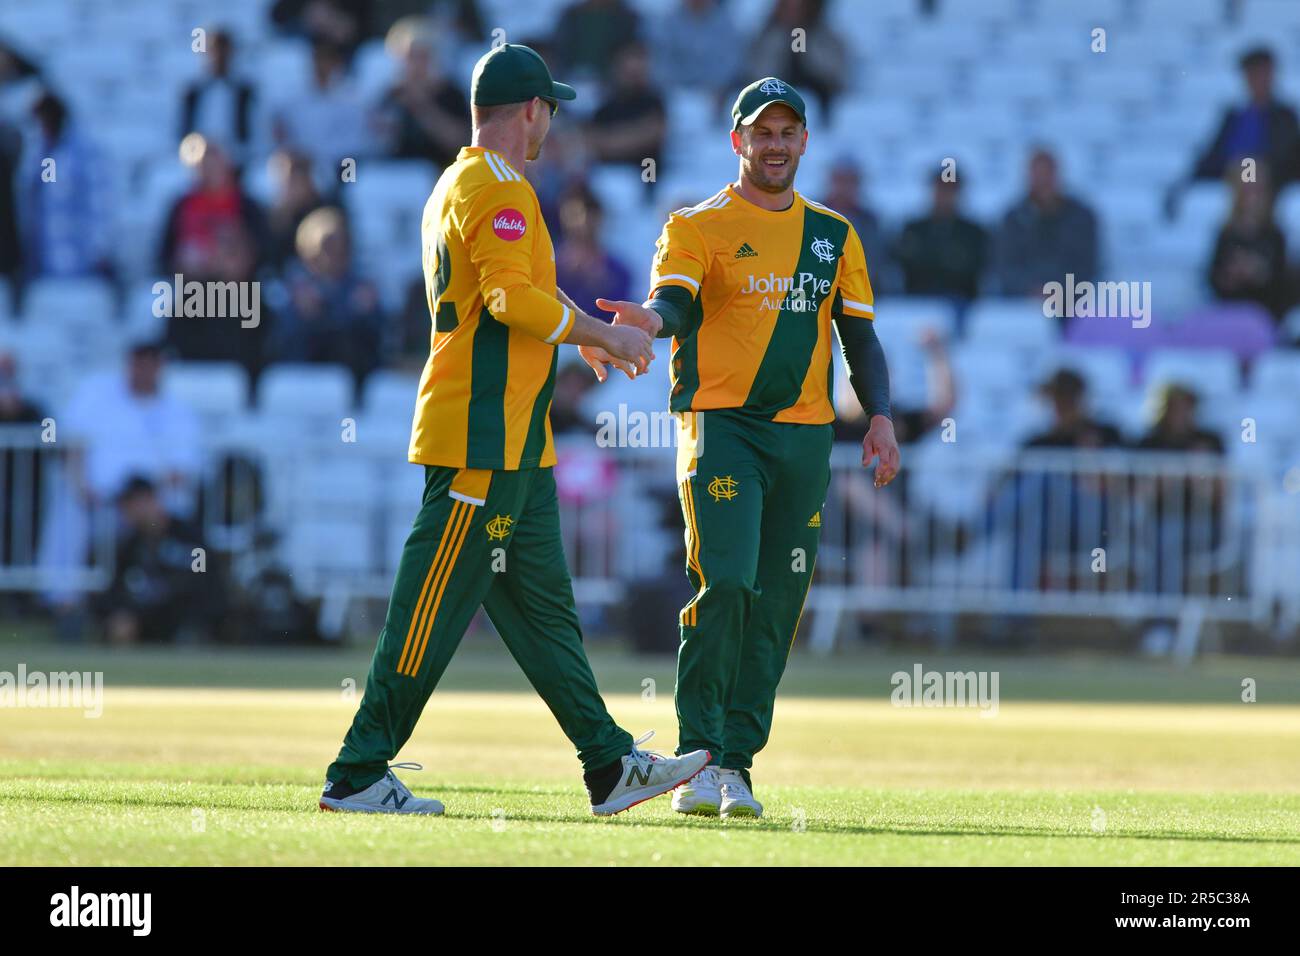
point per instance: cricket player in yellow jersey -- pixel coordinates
(488, 530)
(748, 283)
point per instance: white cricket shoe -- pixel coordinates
(737, 799)
(700, 795)
(385, 795)
(641, 775)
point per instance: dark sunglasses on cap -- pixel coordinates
(553, 104)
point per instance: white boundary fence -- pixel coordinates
(1120, 534)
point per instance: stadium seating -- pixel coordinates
(308, 394)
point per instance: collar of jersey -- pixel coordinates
(735, 194)
(468, 151)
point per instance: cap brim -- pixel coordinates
(746, 120)
(563, 91)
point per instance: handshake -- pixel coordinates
(627, 344)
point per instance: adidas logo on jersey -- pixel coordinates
(745, 251)
(815, 521)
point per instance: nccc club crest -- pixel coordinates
(499, 527)
(509, 225)
(772, 87)
(823, 249)
(723, 488)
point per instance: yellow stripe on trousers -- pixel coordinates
(693, 551)
(448, 532)
(439, 587)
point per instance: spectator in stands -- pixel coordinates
(686, 50)
(1046, 235)
(821, 66)
(1249, 262)
(18, 80)
(588, 30)
(295, 196)
(844, 195)
(116, 427)
(21, 485)
(214, 207)
(329, 313)
(585, 270)
(328, 120)
(423, 115)
(128, 426)
(20, 84)
(63, 199)
(220, 105)
(1072, 426)
(1263, 128)
(631, 122)
(165, 587)
(943, 253)
(234, 336)
(341, 23)
(1176, 428)
(1184, 526)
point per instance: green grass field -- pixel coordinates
(217, 758)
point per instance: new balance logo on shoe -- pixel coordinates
(639, 775)
(745, 251)
(396, 799)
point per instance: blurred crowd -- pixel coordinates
(319, 305)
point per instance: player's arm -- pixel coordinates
(673, 308)
(854, 310)
(497, 228)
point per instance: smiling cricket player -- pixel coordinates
(747, 283)
(488, 530)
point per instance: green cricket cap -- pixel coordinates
(761, 94)
(514, 73)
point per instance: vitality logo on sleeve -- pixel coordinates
(509, 224)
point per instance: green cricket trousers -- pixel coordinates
(752, 492)
(489, 538)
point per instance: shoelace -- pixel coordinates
(405, 765)
(643, 758)
(709, 777)
(733, 780)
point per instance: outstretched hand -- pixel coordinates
(880, 442)
(598, 359)
(633, 314)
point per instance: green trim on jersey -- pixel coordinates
(486, 442)
(445, 320)
(535, 442)
(785, 364)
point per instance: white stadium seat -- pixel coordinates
(210, 388)
(386, 391)
(306, 391)
(50, 301)
(1276, 372)
(1013, 323)
(1210, 372)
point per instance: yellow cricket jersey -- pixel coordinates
(764, 286)
(489, 273)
